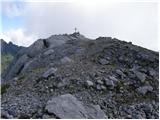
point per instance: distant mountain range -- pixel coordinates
(9, 48)
(8, 52)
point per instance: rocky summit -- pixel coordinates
(71, 76)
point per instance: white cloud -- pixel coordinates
(12, 8)
(130, 21)
(19, 37)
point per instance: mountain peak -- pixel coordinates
(91, 77)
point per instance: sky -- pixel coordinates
(25, 21)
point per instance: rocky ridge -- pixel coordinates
(101, 78)
(9, 48)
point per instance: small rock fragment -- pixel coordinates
(103, 62)
(89, 83)
(109, 83)
(49, 52)
(100, 82)
(5, 115)
(49, 72)
(98, 87)
(113, 78)
(152, 72)
(65, 60)
(120, 73)
(45, 116)
(143, 90)
(103, 87)
(140, 76)
(15, 78)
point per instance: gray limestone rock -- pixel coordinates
(49, 72)
(140, 76)
(89, 83)
(5, 115)
(143, 90)
(95, 112)
(103, 61)
(152, 72)
(48, 52)
(36, 47)
(113, 78)
(65, 60)
(100, 82)
(66, 107)
(109, 83)
(119, 72)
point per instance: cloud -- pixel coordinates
(12, 9)
(130, 21)
(19, 37)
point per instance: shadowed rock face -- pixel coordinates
(8, 52)
(103, 78)
(9, 48)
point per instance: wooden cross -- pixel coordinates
(75, 29)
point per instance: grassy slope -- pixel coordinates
(5, 60)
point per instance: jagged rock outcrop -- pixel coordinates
(8, 52)
(35, 50)
(9, 48)
(112, 78)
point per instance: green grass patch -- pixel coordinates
(4, 88)
(5, 61)
(21, 79)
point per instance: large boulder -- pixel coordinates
(56, 40)
(68, 107)
(65, 107)
(95, 112)
(36, 47)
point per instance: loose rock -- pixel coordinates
(89, 83)
(109, 83)
(49, 72)
(65, 60)
(49, 52)
(140, 76)
(66, 106)
(143, 90)
(103, 62)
